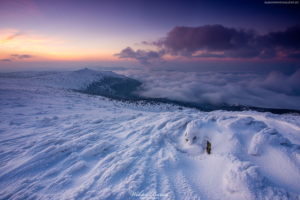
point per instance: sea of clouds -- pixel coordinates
(274, 90)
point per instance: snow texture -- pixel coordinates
(60, 144)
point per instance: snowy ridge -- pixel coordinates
(74, 80)
(91, 81)
(58, 144)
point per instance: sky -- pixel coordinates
(236, 36)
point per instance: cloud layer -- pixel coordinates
(217, 41)
(274, 90)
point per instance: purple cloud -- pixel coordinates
(287, 40)
(24, 56)
(5, 60)
(20, 56)
(15, 56)
(234, 43)
(183, 39)
(217, 41)
(145, 57)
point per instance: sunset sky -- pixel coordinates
(171, 35)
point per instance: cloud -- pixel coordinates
(5, 60)
(20, 56)
(189, 40)
(279, 83)
(145, 57)
(11, 37)
(288, 39)
(217, 41)
(274, 90)
(230, 42)
(16, 56)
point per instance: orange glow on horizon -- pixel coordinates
(33, 47)
(43, 48)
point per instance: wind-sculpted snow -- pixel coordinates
(59, 144)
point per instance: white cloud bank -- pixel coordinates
(274, 90)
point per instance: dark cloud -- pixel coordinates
(16, 56)
(189, 40)
(5, 60)
(274, 90)
(287, 40)
(20, 56)
(24, 56)
(233, 43)
(217, 41)
(145, 57)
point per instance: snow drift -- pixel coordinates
(60, 144)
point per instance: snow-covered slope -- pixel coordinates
(74, 80)
(59, 144)
(87, 80)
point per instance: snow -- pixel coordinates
(60, 144)
(78, 80)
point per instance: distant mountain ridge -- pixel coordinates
(110, 84)
(104, 83)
